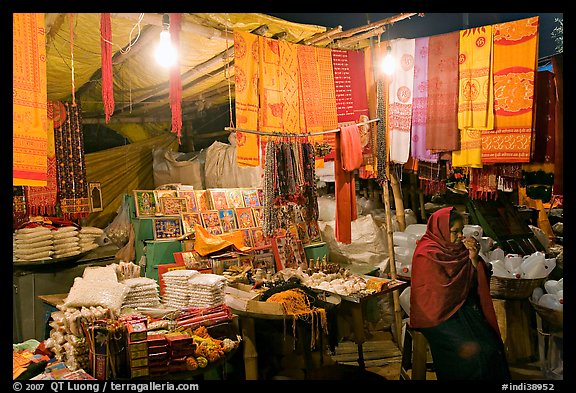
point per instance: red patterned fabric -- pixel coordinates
(543, 146)
(345, 198)
(442, 104)
(107, 81)
(175, 82)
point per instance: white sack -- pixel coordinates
(173, 167)
(222, 171)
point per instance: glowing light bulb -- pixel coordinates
(389, 62)
(165, 52)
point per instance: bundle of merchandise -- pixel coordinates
(177, 290)
(404, 246)
(143, 292)
(66, 242)
(533, 266)
(553, 298)
(35, 243)
(89, 237)
(206, 290)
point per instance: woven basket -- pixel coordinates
(554, 317)
(513, 288)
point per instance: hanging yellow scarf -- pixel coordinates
(246, 59)
(475, 98)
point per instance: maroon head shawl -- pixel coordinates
(442, 275)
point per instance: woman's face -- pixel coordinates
(456, 234)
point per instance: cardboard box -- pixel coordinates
(137, 331)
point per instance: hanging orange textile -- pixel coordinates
(329, 116)
(246, 67)
(350, 148)
(271, 97)
(290, 87)
(475, 98)
(30, 143)
(515, 59)
(345, 197)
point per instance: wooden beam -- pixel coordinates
(346, 42)
(204, 31)
(280, 35)
(374, 25)
(321, 36)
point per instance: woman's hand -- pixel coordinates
(473, 248)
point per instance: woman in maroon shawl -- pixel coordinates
(450, 302)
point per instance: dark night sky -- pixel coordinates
(430, 24)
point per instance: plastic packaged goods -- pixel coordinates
(417, 230)
(497, 254)
(475, 231)
(536, 266)
(551, 301)
(499, 269)
(537, 294)
(512, 263)
(551, 286)
(404, 299)
(403, 239)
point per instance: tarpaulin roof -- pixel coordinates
(141, 86)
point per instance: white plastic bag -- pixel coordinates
(118, 231)
(174, 167)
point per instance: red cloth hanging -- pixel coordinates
(351, 147)
(345, 198)
(107, 81)
(175, 81)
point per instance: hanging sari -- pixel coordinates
(475, 99)
(400, 100)
(515, 58)
(246, 66)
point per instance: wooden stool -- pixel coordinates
(414, 355)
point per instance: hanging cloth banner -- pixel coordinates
(290, 108)
(442, 104)
(400, 100)
(515, 58)
(345, 197)
(41, 201)
(476, 98)
(71, 171)
(368, 132)
(545, 118)
(270, 110)
(328, 93)
(175, 81)
(29, 135)
(419, 102)
(106, 50)
(246, 67)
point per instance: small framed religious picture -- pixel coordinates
(260, 196)
(203, 200)
(165, 193)
(259, 239)
(234, 198)
(171, 206)
(193, 260)
(258, 213)
(211, 221)
(145, 203)
(264, 261)
(251, 197)
(245, 217)
(286, 252)
(189, 220)
(190, 196)
(95, 196)
(167, 228)
(218, 198)
(247, 237)
(227, 220)
(314, 233)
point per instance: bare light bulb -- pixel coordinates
(389, 62)
(165, 52)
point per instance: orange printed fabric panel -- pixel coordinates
(515, 58)
(30, 138)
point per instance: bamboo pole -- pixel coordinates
(346, 42)
(321, 36)
(398, 201)
(233, 129)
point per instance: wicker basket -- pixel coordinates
(554, 317)
(513, 288)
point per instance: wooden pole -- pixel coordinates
(374, 25)
(398, 202)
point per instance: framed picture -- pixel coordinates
(314, 232)
(245, 218)
(167, 228)
(227, 220)
(203, 200)
(258, 213)
(247, 237)
(171, 206)
(286, 253)
(165, 193)
(95, 196)
(264, 261)
(190, 196)
(145, 203)
(258, 238)
(260, 196)
(251, 197)
(193, 260)
(218, 199)
(303, 232)
(211, 221)
(189, 220)
(234, 198)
